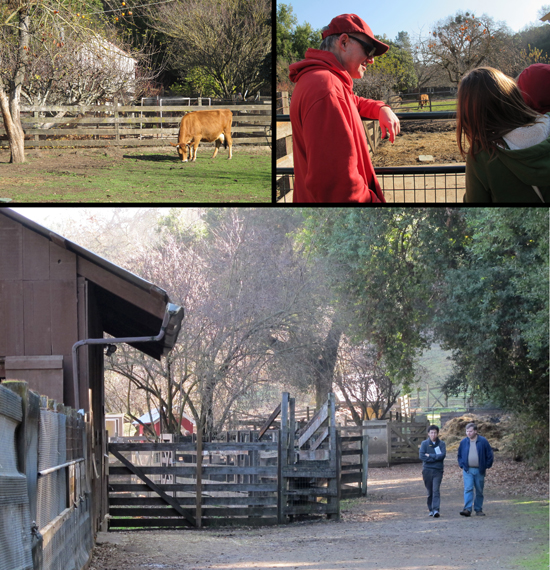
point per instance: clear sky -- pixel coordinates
(395, 16)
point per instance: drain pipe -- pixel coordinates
(174, 312)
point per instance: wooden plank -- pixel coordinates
(62, 261)
(365, 449)
(138, 109)
(127, 142)
(64, 331)
(270, 420)
(154, 487)
(286, 161)
(207, 470)
(12, 337)
(347, 452)
(120, 501)
(228, 448)
(284, 129)
(319, 440)
(36, 362)
(354, 467)
(128, 524)
(143, 512)
(351, 477)
(306, 473)
(148, 523)
(190, 487)
(309, 491)
(36, 255)
(218, 512)
(310, 508)
(37, 318)
(314, 424)
(11, 250)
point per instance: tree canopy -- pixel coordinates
(319, 298)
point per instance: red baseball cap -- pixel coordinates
(347, 23)
(534, 84)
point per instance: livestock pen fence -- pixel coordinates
(45, 504)
(131, 126)
(401, 184)
(285, 470)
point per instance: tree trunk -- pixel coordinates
(324, 367)
(16, 137)
(10, 102)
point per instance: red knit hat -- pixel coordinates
(534, 84)
(347, 23)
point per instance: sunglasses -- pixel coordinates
(367, 48)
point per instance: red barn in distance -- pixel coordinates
(187, 422)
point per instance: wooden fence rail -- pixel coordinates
(130, 125)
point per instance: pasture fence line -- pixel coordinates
(130, 125)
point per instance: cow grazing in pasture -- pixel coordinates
(209, 126)
(424, 100)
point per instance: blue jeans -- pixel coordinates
(473, 479)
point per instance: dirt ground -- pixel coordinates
(390, 529)
(435, 138)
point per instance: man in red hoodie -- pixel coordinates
(331, 156)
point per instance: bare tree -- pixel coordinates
(229, 39)
(51, 53)
(368, 391)
(463, 42)
(241, 285)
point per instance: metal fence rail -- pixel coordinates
(402, 184)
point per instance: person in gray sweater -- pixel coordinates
(432, 453)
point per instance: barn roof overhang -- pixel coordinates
(129, 305)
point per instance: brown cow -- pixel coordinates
(424, 100)
(209, 126)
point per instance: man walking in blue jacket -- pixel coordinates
(475, 456)
(432, 453)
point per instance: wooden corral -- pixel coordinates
(53, 294)
(117, 125)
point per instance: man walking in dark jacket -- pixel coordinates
(432, 453)
(475, 456)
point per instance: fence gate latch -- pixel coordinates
(35, 532)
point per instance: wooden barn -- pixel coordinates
(187, 422)
(57, 301)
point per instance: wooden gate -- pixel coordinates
(252, 482)
(309, 480)
(405, 439)
(237, 484)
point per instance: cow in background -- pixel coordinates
(209, 126)
(424, 100)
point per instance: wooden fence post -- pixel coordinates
(334, 458)
(198, 513)
(283, 455)
(365, 458)
(283, 148)
(117, 126)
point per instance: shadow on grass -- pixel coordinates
(153, 157)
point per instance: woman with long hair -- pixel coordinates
(508, 143)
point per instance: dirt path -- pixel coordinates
(389, 530)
